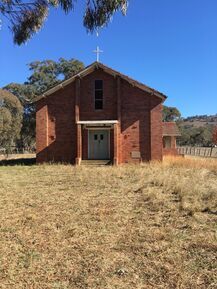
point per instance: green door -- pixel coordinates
(98, 145)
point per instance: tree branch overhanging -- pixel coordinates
(26, 18)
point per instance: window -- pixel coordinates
(167, 142)
(98, 94)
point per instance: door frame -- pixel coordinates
(88, 140)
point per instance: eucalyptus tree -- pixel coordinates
(171, 113)
(43, 75)
(26, 17)
(11, 114)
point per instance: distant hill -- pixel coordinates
(200, 120)
(197, 130)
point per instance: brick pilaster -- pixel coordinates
(116, 144)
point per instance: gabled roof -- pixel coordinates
(170, 129)
(97, 65)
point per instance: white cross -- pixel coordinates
(97, 51)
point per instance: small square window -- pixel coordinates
(95, 137)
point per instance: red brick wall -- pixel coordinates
(140, 129)
(61, 133)
(85, 144)
(135, 125)
(170, 152)
(87, 109)
(156, 129)
(41, 131)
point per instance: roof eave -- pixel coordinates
(91, 68)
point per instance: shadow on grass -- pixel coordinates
(16, 162)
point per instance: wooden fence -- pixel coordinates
(198, 151)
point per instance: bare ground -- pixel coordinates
(130, 227)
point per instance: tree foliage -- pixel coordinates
(171, 113)
(27, 17)
(11, 113)
(44, 75)
(47, 73)
(190, 134)
(195, 136)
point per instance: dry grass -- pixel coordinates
(192, 162)
(131, 227)
(16, 156)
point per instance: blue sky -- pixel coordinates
(166, 44)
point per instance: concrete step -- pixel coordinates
(96, 162)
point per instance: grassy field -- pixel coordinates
(129, 227)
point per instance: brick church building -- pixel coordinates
(100, 114)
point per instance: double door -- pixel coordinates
(98, 144)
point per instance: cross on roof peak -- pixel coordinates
(97, 51)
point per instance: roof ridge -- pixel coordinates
(105, 67)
